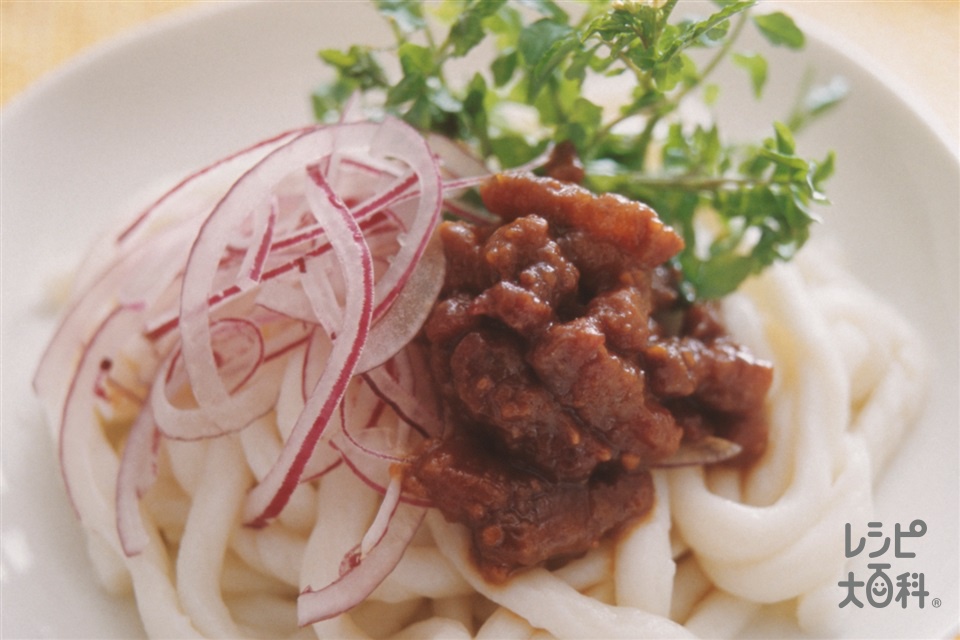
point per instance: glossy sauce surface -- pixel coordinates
(569, 366)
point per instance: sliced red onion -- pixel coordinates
(253, 262)
(323, 461)
(318, 287)
(468, 212)
(369, 447)
(89, 311)
(363, 572)
(238, 345)
(409, 310)
(353, 109)
(455, 158)
(318, 260)
(138, 471)
(411, 409)
(399, 190)
(707, 450)
(389, 140)
(431, 276)
(242, 159)
(370, 470)
(378, 528)
(315, 359)
(267, 499)
(287, 298)
(77, 422)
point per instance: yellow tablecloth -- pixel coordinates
(917, 41)
(38, 36)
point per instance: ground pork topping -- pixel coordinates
(568, 367)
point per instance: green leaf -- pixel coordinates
(465, 34)
(534, 90)
(445, 11)
(784, 160)
(406, 14)
(506, 25)
(410, 87)
(328, 99)
(627, 26)
(756, 66)
(583, 118)
(415, 59)
(670, 73)
(581, 60)
(356, 64)
(544, 45)
(721, 275)
(514, 150)
(780, 30)
(784, 138)
(503, 67)
(537, 38)
(475, 110)
(715, 35)
(419, 114)
(468, 30)
(710, 27)
(337, 58)
(586, 112)
(824, 170)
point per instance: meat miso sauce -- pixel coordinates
(568, 366)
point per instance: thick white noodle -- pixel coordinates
(644, 569)
(849, 380)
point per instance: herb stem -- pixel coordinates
(714, 62)
(643, 142)
(699, 183)
(666, 105)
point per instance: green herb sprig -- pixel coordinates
(755, 199)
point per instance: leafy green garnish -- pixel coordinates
(539, 87)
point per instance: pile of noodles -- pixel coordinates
(231, 385)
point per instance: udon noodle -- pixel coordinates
(849, 379)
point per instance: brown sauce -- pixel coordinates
(568, 365)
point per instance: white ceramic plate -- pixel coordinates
(189, 89)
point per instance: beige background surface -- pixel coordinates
(916, 41)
